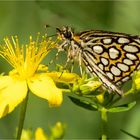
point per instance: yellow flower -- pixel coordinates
(135, 88)
(40, 135)
(56, 132)
(28, 74)
(136, 79)
(100, 97)
(26, 134)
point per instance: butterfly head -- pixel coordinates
(65, 32)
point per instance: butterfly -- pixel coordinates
(111, 56)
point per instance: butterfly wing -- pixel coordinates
(93, 68)
(117, 55)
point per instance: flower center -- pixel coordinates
(26, 58)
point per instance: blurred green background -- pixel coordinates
(27, 18)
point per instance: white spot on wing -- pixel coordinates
(131, 56)
(138, 67)
(128, 61)
(97, 49)
(137, 40)
(130, 48)
(104, 61)
(113, 53)
(125, 79)
(101, 66)
(118, 83)
(123, 40)
(123, 67)
(115, 71)
(107, 41)
(110, 75)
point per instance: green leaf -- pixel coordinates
(83, 103)
(121, 108)
(127, 133)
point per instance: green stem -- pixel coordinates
(104, 123)
(22, 117)
(66, 90)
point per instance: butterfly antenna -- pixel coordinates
(46, 27)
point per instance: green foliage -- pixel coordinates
(96, 98)
(122, 108)
(132, 136)
(83, 103)
(25, 18)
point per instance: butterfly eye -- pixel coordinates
(67, 34)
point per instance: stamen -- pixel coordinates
(26, 58)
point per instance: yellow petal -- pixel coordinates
(26, 134)
(39, 134)
(136, 79)
(12, 92)
(63, 77)
(100, 97)
(137, 84)
(44, 87)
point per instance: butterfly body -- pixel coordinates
(112, 56)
